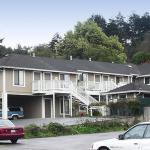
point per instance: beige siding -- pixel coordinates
(90, 77)
(27, 89)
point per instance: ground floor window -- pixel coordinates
(64, 106)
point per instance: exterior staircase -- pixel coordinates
(51, 86)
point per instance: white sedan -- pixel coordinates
(135, 138)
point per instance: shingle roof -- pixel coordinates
(144, 68)
(26, 61)
(131, 87)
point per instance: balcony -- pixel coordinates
(105, 86)
(47, 86)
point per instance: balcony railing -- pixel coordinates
(105, 86)
(48, 85)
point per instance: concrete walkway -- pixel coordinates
(63, 121)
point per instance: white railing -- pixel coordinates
(47, 85)
(80, 91)
(37, 86)
(105, 86)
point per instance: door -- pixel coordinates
(48, 108)
(47, 81)
(37, 81)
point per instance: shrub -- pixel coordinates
(32, 130)
(56, 128)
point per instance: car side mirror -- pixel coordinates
(121, 137)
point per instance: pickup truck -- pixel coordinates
(14, 113)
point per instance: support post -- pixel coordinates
(99, 97)
(63, 107)
(4, 106)
(87, 110)
(71, 105)
(53, 105)
(91, 112)
(4, 97)
(43, 107)
(51, 108)
(106, 99)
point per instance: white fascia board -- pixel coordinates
(34, 69)
(147, 75)
(131, 91)
(107, 73)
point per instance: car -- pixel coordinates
(14, 112)
(8, 131)
(135, 138)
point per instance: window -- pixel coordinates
(47, 76)
(19, 77)
(62, 77)
(119, 80)
(97, 78)
(136, 132)
(122, 96)
(147, 133)
(64, 104)
(147, 80)
(37, 75)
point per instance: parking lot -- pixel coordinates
(75, 142)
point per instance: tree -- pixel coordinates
(141, 57)
(100, 20)
(21, 50)
(88, 40)
(53, 45)
(42, 50)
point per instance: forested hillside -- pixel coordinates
(119, 39)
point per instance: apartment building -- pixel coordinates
(47, 87)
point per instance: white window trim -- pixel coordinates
(144, 80)
(24, 73)
(40, 75)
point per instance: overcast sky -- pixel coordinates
(33, 22)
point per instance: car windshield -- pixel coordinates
(6, 123)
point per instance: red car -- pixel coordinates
(8, 131)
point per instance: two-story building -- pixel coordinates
(47, 87)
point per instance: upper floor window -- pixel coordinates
(147, 80)
(37, 75)
(97, 78)
(19, 77)
(62, 77)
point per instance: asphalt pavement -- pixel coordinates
(73, 142)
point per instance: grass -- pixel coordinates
(55, 129)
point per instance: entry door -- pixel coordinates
(48, 108)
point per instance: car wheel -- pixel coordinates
(14, 117)
(103, 148)
(14, 141)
